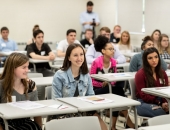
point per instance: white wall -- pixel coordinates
(55, 17)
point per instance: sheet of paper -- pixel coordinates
(96, 100)
(26, 105)
(119, 74)
(58, 106)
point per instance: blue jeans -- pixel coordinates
(146, 109)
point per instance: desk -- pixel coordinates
(42, 81)
(131, 54)
(10, 52)
(10, 112)
(34, 61)
(156, 127)
(119, 101)
(156, 92)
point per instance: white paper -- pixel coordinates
(58, 106)
(26, 105)
(103, 100)
(119, 74)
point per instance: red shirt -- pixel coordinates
(140, 81)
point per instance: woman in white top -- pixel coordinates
(124, 43)
(164, 47)
(155, 37)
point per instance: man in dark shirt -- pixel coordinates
(88, 38)
(115, 36)
(41, 51)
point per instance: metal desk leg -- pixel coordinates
(135, 116)
(6, 124)
(34, 67)
(110, 125)
(110, 88)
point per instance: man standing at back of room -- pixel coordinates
(89, 19)
(63, 45)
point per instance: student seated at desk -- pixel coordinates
(63, 45)
(106, 64)
(92, 54)
(73, 79)
(155, 37)
(41, 51)
(14, 85)
(151, 75)
(136, 61)
(164, 47)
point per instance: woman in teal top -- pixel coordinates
(136, 61)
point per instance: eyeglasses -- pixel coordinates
(111, 49)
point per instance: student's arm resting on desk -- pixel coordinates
(140, 82)
(57, 86)
(39, 57)
(52, 55)
(93, 70)
(118, 56)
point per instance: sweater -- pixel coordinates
(97, 68)
(140, 81)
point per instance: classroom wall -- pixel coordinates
(53, 16)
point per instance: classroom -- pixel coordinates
(82, 62)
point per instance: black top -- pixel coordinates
(84, 42)
(113, 39)
(76, 94)
(45, 50)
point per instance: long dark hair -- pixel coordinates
(67, 63)
(150, 82)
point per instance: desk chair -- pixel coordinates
(40, 89)
(82, 123)
(48, 90)
(159, 120)
(133, 96)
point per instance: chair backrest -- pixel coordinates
(35, 75)
(159, 120)
(132, 88)
(75, 123)
(48, 90)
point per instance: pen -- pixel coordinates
(59, 106)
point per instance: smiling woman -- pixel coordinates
(73, 79)
(15, 85)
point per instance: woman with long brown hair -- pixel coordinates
(15, 86)
(151, 75)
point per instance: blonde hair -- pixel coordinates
(160, 46)
(12, 62)
(117, 26)
(121, 39)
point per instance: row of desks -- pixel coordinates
(74, 105)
